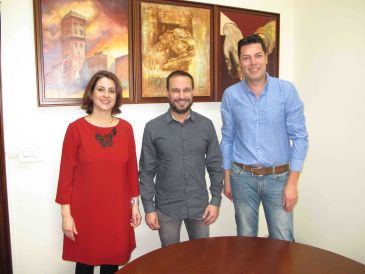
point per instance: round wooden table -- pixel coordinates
(241, 255)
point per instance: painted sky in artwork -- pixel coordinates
(106, 27)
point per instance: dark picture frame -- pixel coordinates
(172, 35)
(74, 39)
(232, 24)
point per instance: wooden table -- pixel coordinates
(241, 255)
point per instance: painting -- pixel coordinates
(142, 41)
(173, 35)
(234, 24)
(75, 39)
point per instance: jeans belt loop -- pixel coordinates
(253, 169)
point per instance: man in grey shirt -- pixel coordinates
(177, 147)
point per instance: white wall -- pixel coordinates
(329, 72)
(330, 213)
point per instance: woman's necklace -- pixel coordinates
(104, 140)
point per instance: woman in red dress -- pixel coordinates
(98, 182)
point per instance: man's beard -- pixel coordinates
(180, 111)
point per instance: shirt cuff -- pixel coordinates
(296, 165)
(216, 201)
(149, 208)
(62, 201)
(227, 164)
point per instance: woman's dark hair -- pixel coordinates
(87, 101)
(251, 39)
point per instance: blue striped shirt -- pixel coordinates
(267, 130)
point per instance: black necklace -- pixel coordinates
(107, 139)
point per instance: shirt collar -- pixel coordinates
(248, 90)
(169, 117)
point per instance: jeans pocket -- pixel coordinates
(274, 190)
(282, 178)
(235, 170)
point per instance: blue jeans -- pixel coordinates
(169, 231)
(248, 191)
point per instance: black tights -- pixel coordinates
(89, 269)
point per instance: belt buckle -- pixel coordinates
(253, 169)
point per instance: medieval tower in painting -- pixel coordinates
(73, 44)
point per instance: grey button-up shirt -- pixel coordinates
(172, 166)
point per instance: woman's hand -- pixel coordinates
(68, 223)
(136, 216)
(69, 227)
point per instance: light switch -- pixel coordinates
(30, 156)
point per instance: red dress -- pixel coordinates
(98, 177)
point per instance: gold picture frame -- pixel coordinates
(173, 35)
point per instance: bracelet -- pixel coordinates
(135, 201)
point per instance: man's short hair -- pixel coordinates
(179, 73)
(251, 39)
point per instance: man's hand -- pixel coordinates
(227, 184)
(211, 214)
(290, 195)
(152, 220)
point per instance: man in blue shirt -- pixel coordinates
(264, 143)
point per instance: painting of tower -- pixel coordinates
(73, 44)
(77, 39)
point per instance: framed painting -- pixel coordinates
(173, 35)
(76, 38)
(232, 24)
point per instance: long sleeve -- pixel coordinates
(227, 132)
(295, 123)
(213, 162)
(67, 166)
(132, 166)
(147, 171)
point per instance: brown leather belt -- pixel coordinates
(261, 171)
